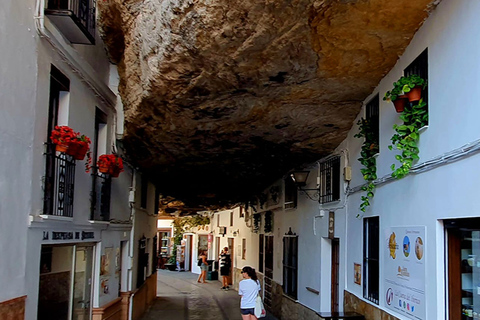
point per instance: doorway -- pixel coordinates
(65, 284)
(232, 255)
(463, 267)
(335, 273)
(268, 271)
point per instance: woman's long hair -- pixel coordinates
(251, 273)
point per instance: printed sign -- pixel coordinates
(404, 269)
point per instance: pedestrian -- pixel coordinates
(225, 264)
(248, 288)
(203, 267)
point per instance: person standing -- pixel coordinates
(248, 288)
(203, 267)
(225, 264)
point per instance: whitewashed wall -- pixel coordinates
(17, 109)
(450, 191)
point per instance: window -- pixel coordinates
(372, 116)
(290, 194)
(241, 212)
(244, 249)
(330, 180)
(419, 66)
(60, 168)
(231, 219)
(260, 253)
(144, 192)
(290, 265)
(218, 220)
(371, 258)
(100, 206)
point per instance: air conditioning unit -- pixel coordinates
(222, 230)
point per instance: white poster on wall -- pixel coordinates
(404, 270)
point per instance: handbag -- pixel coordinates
(259, 308)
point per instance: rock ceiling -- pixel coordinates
(223, 97)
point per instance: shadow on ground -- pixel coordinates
(180, 297)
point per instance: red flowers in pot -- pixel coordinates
(110, 164)
(62, 136)
(79, 146)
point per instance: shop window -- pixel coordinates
(371, 259)
(290, 194)
(290, 265)
(330, 180)
(463, 268)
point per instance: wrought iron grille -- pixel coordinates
(372, 115)
(330, 180)
(371, 256)
(100, 202)
(83, 12)
(59, 184)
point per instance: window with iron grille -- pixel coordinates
(371, 259)
(60, 167)
(144, 192)
(290, 193)
(372, 115)
(330, 180)
(290, 265)
(419, 66)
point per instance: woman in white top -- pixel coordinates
(248, 289)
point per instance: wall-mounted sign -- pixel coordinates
(357, 273)
(404, 270)
(331, 225)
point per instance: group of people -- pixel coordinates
(248, 288)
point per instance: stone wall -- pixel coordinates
(353, 303)
(13, 309)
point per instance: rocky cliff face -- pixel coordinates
(222, 97)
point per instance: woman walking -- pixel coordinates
(248, 288)
(203, 267)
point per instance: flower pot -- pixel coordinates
(114, 172)
(81, 151)
(103, 168)
(61, 147)
(399, 104)
(73, 147)
(415, 94)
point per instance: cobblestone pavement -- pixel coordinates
(180, 297)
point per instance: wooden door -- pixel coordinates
(268, 271)
(335, 271)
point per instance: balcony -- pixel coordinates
(59, 184)
(100, 200)
(74, 18)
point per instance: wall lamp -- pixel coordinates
(300, 177)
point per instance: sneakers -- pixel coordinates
(225, 288)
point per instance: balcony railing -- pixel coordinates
(74, 18)
(100, 205)
(59, 184)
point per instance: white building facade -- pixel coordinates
(76, 235)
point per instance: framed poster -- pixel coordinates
(404, 270)
(357, 273)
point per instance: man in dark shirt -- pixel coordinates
(225, 264)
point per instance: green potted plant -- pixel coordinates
(413, 86)
(396, 95)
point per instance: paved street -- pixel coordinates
(180, 297)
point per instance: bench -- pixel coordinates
(341, 315)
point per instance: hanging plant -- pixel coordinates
(268, 222)
(274, 191)
(262, 199)
(367, 159)
(256, 222)
(406, 138)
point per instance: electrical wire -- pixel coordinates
(455, 155)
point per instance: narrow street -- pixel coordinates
(180, 297)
